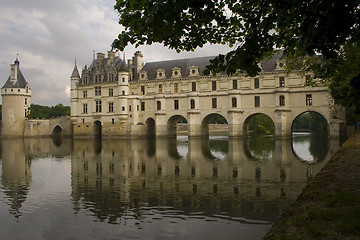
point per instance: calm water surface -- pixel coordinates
(153, 188)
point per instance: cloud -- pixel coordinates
(49, 35)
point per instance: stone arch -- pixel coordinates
(172, 124)
(57, 131)
(150, 127)
(315, 114)
(248, 119)
(206, 121)
(97, 129)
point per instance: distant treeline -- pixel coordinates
(46, 112)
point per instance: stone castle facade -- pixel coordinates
(113, 97)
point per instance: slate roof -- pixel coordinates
(268, 65)
(75, 73)
(20, 83)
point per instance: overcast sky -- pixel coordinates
(49, 34)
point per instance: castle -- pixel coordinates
(115, 98)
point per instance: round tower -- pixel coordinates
(74, 80)
(16, 95)
(123, 76)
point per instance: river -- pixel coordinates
(217, 188)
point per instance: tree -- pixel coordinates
(255, 28)
(45, 112)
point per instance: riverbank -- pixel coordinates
(329, 206)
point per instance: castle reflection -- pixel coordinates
(113, 179)
(246, 178)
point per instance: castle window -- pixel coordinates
(235, 84)
(176, 87)
(123, 92)
(85, 110)
(193, 86)
(130, 108)
(213, 83)
(142, 90)
(84, 94)
(123, 79)
(234, 102)
(282, 81)
(256, 83)
(214, 102)
(112, 121)
(123, 108)
(25, 101)
(98, 106)
(192, 103)
(257, 101)
(158, 105)
(142, 106)
(111, 92)
(160, 88)
(282, 100)
(176, 104)
(97, 91)
(308, 100)
(111, 107)
(12, 90)
(18, 90)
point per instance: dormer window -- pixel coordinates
(194, 71)
(280, 65)
(176, 72)
(143, 75)
(160, 74)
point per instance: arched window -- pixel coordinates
(234, 102)
(192, 103)
(282, 100)
(158, 105)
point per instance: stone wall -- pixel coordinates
(45, 127)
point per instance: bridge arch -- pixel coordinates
(172, 124)
(57, 130)
(97, 129)
(208, 119)
(310, 121)
(150, 127)
(269, 121)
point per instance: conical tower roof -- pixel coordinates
(20, 79)
(75, 73)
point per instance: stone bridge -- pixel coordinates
(61, 126)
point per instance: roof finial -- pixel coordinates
(124, 56)
(93, 54)
(17, 59)
(75, 61)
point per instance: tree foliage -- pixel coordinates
(310, 122)
(46, 112)
(261, 124)
(256, 28)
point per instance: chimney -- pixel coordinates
(100, 56)
(111, 55)
(14, 70)
(137, 59)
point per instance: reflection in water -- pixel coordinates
(216, 188)
(311, 147)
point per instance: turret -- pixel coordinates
(16, 95)
(74, 79)
(123, 76)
